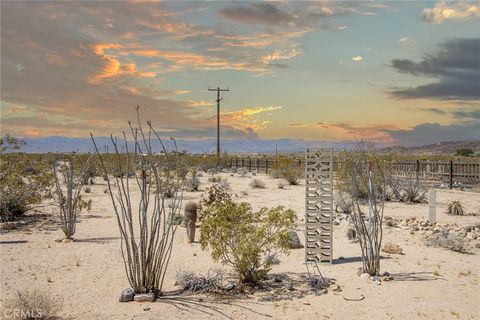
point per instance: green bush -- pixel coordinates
(246, 240)
(24, 181)
(214, 195)
(465, 152)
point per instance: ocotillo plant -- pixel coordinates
(146, 234)
(370, 232)
(69, 198)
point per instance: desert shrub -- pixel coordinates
(287, 169)
(190, 281)
(456, 208)
(343, 201)
(215, 194)
(257, 184)
(246, 240)
(87, 189)
(465, 152)
(31, 305)
(242, 172)
(68, 197)
(347, 163)
(224, 183)
(448, 241)
(214, 178)
(192, 182)
(413, 192)
(24, 180)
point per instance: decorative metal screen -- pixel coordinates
(318, 205)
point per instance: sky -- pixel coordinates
(392, 72)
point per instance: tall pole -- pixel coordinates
(218, 120)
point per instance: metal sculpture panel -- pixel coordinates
(318, 205)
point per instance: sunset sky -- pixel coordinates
(395, 72)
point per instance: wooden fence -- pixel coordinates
(448, 171)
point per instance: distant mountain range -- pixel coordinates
(82, 145)
(65, 144)
(445, 148)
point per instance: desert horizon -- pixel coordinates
(239, 159)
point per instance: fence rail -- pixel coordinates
(449, 171)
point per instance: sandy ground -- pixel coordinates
(88, 275)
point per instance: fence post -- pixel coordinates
(266, 166)
(451, 174)
(417, 169)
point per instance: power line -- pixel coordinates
(218, 119)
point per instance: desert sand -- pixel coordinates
(88, 275)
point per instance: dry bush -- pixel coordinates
(31, 305)
(87, 190)
(343, 201)
(192, 183)
(214, 179)
(286, 168)
(257, 184)
(68, 197)
(190, 281)
(246, 240)
(456, 208)
(448, 241)
(146, 234)
(224, 183)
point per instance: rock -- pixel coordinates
(144, 297)
(477, 245)
(377, 282)
(290, 287)
(146, 309)
(392, 248)
(66, 240)
(277, 279)
(200, 299)
(376, 278)
(126, 295)
(365, 276)
(294, 240)
(229, 286)
(470, 235)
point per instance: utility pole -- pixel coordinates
(218, 120)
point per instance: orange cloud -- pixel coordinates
(245, 117)
(200, 103)
(16, 109)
